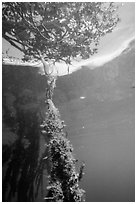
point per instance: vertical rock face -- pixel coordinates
(23, 101)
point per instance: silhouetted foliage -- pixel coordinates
(23, 154)
(22, 115)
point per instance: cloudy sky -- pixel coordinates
(110, 46)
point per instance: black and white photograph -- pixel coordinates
(68, 101)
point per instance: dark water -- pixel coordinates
(102, 134)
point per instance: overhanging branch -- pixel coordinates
(12, 43)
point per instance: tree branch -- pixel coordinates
(34, 27)
(11, 42)
(15, 40)
(44, 63)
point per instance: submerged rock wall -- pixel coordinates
(23, 96)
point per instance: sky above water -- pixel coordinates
(110, 46)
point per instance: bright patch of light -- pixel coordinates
(82, 97)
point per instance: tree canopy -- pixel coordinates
(57, 30)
